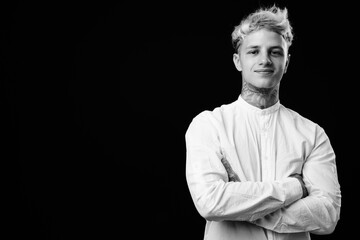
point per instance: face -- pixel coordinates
(262, 58)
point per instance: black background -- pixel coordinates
(96, 99)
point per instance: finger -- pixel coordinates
(233, 177)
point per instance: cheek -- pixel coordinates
(248, 64)
(280, 66)
(281, 69)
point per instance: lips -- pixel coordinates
(264, 70)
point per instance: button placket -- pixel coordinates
(267, 165)
(264, 148)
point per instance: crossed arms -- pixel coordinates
(298, 203)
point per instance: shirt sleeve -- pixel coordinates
(216, 198)
(319, 212)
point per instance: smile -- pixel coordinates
(264, 70)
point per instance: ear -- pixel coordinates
(236, 59)
(287, 63)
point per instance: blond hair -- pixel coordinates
(273, 19)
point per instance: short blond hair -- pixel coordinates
(273, 19)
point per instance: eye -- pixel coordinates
(276, 53)
(253, 52)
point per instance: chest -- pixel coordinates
(267, 151)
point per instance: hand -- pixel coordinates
(233, 177)
(299, 177)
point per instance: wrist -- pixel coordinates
(303, 187)
(292, 189)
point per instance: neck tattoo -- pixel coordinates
(259, 97)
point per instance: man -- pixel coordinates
(256, 169)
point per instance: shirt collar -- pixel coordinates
(257, 110)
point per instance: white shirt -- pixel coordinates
(263, 147)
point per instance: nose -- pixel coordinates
(265, 60)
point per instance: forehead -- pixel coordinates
(264, 38)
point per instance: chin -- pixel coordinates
(264, 84)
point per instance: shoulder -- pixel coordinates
(212, 120)
(217, 116)
(300, 122)
(296, 116)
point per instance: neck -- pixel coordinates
(259, 97)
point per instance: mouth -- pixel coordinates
(264, 70)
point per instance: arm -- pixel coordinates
(216, 198)
(319, 212)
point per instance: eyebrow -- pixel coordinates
(257, 46)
